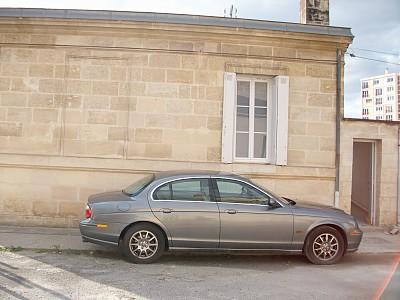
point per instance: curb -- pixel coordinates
(56, 250)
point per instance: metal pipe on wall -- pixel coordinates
(338, 120)
(398, 175)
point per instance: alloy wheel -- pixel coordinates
(143, 244)
(325, 246)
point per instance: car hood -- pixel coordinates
(108, 197)
(312, 206)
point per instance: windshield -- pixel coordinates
(135, 188)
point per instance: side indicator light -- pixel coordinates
(355, 232)
(101, 225)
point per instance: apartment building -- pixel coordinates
(380, 97)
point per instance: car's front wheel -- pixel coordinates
(324, 246)
(143, 243)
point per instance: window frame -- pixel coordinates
(388, 109)
(170, 181)
(252, 81)
(215, 191)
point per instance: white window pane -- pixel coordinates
(261, 94)
(260, 120)
(242, 144)
(243, 93)
(260, 146)
(242, 119)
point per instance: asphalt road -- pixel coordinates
(33, 275)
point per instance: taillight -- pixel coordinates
(88, 212)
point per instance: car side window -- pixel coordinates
(184, 190)
(163, 192)
(231, 191)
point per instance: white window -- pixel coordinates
(389, 117)
(365, 94)
(378, 92)
(390, 88)
(390, 79)
(376, 81)
(379, 117)
(365, 84)
(365, 111)
(388, 109)
(390, 98)
(378, 101)
(255, 117)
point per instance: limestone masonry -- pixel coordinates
(92, 105)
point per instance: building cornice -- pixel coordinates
(167, 18)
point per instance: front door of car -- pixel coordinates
(187, 210)
(247, 219)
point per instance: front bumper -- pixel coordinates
(353, 240)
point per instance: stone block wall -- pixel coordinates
(89, 106)
(385, 136)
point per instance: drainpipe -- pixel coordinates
(338, 120)
(398, 176)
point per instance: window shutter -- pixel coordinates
(228, 117)
(282, 106)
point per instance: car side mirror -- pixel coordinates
(273, 203)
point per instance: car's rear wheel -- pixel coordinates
(143, 243)
(324, 246)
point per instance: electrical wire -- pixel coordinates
(375, 51)
(373, 59)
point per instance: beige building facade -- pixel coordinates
(91, 101)
(369, 170)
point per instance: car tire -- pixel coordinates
(143, 243)
(324, 246)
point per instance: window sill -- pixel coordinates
(252, 161)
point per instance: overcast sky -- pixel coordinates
(375, 24)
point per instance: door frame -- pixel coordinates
(373, 208)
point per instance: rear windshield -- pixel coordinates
(138, 186)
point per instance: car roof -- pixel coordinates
(195, 173)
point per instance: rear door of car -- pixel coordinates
(247, 221)
(187, 209)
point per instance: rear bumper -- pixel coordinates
(99, 242)
(102, 236)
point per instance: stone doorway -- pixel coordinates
(363, 182)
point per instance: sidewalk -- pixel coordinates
(374, 240)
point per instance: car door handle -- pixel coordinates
(166, 210)
(231, 211)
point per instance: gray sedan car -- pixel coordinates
(200, 210)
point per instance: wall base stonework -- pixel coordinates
(53, 191)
